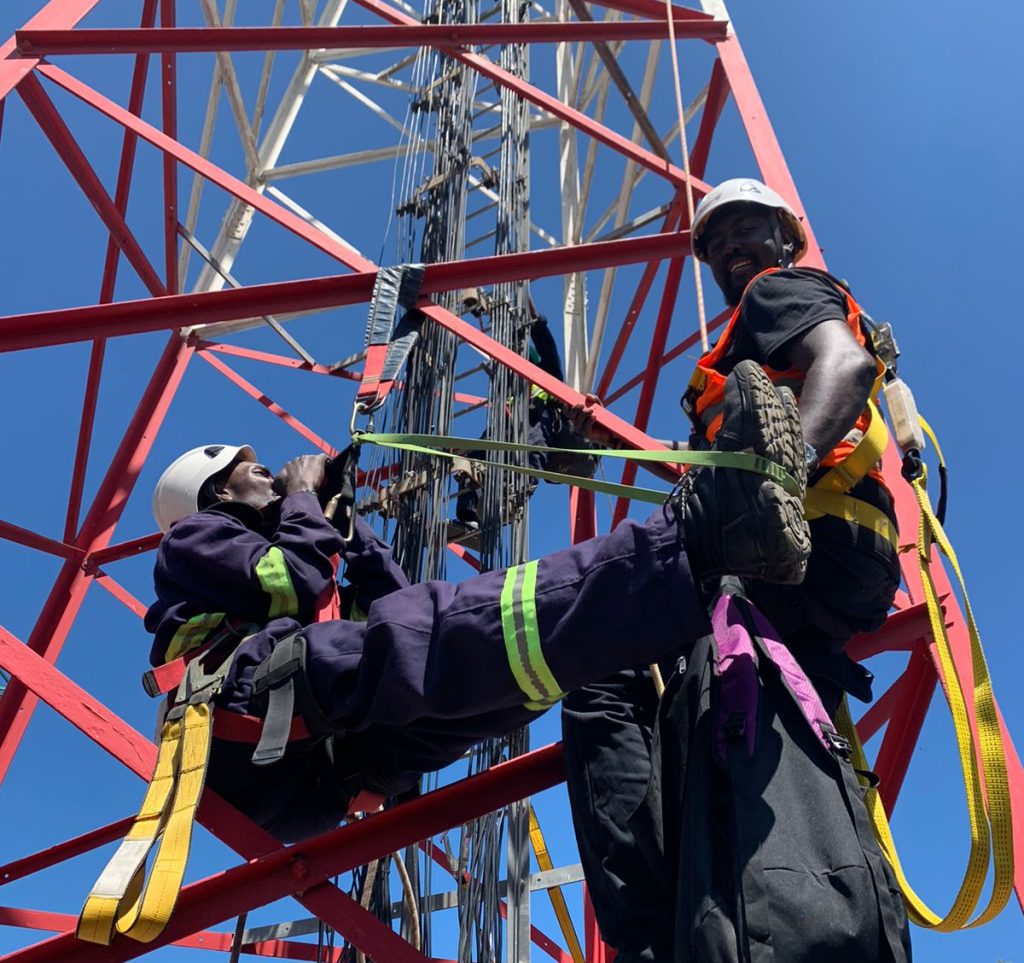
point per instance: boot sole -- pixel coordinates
(770, 426)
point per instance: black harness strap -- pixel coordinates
(282, 676)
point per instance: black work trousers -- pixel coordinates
(852, 577)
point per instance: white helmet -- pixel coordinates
(743, 190)
(177, 492)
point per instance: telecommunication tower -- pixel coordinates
(522, 150)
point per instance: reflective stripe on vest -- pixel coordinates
(276, 581)
(522, 638)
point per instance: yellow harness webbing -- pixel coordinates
(850, 509)
(540, 849)
(863, 458)
(828, 496)
(123, 900)
(986, 787)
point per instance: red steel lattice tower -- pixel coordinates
(601, 110)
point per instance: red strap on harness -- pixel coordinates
(328, 605)
(168, 676)
(164, 677)
(236, 727)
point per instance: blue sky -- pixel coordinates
(901, 126)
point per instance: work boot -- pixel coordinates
(737, 522)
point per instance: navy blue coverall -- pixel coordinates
(434, 668)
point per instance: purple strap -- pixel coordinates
(737, 669)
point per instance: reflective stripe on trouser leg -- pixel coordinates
(522, 638)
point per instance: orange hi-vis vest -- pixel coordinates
(703, 400)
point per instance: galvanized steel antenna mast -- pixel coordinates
(438, 201)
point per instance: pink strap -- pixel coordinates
(738, 671)
(806, 695)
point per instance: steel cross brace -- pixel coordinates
(622, 429)
(56, 15)
(66, 325)
(655, 9)
(125, 172)
(51, 123)
(68, 592)
(203, 940)
(601, 133)
(272, 871)
(556, 388)
(39, 43)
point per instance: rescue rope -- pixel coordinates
(366, 895)
(409, 900)
(986, 786)
(701, 318)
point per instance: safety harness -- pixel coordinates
(125, 899)
(854, 458)
(982, 760)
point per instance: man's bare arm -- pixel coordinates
(839, 374)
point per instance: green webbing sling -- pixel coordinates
(445, 446)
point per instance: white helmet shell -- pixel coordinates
(177, 492)
(743, 190)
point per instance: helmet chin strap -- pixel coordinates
(787, 247)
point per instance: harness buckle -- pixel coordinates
(840, 745)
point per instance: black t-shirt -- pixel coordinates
(775, 309)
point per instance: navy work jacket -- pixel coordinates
(231, 561)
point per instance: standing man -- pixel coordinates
(804, 328)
